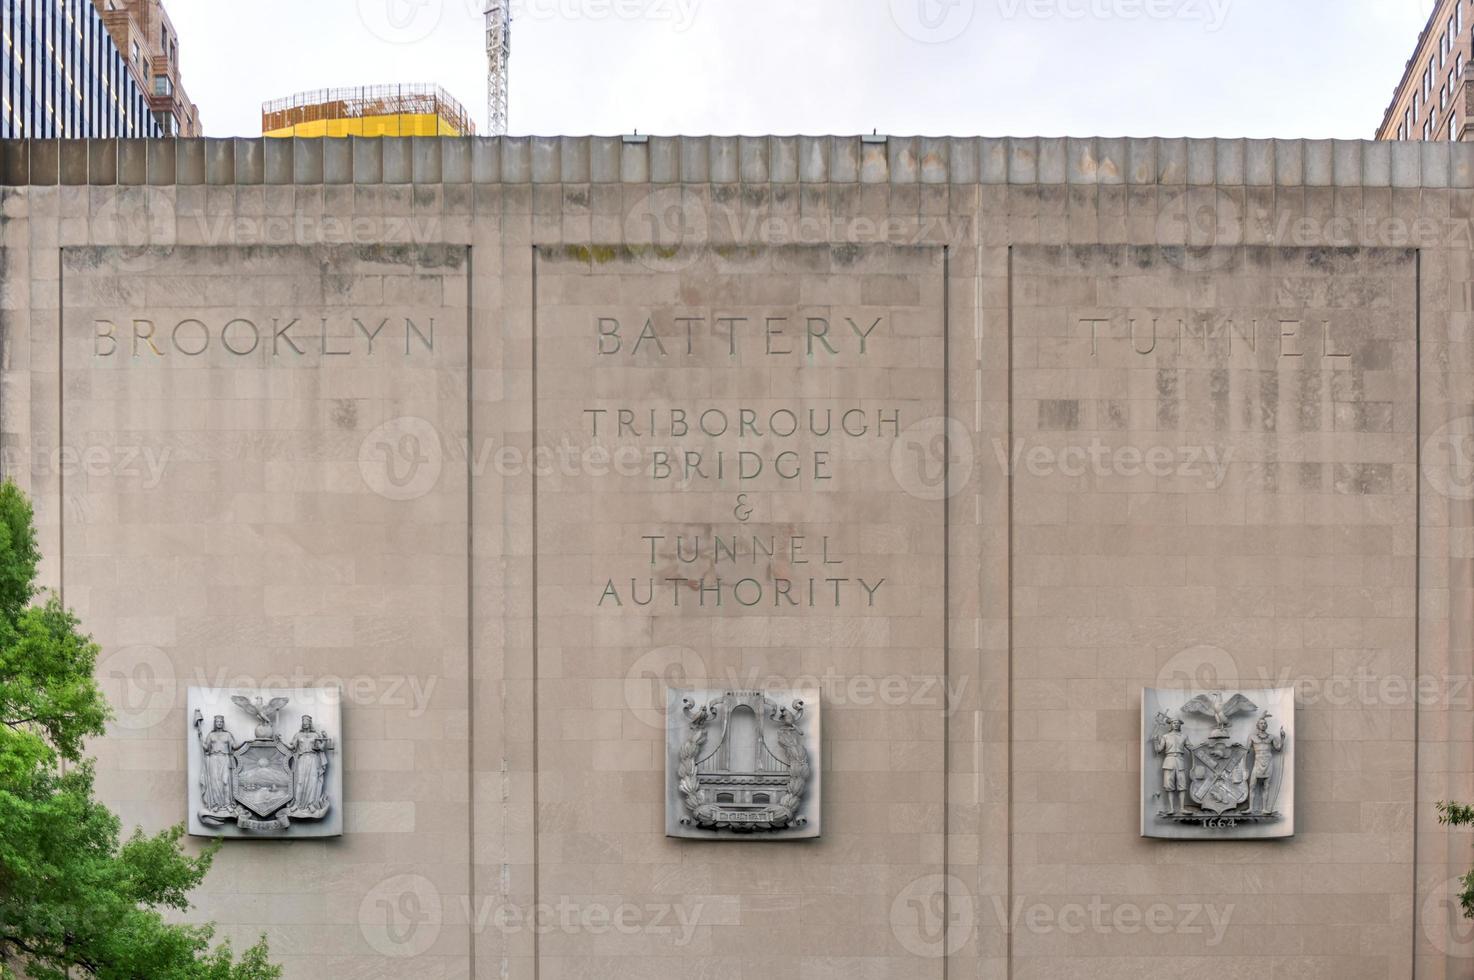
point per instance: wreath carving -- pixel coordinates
(703, 812)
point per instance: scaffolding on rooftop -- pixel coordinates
(366, 101)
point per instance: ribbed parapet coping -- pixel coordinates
(738, 159)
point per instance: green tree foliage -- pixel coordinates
(75, 901)
(1460, 815)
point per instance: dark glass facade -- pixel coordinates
(61, 75)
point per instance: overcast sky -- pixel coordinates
(1308, 68)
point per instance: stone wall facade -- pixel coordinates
(977, 437)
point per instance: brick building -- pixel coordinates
(141, 29)
(1431, 101)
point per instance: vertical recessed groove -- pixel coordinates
(1008, 612)
(61, 479)
(471, 692)
(947, 606)
(1417, 573)
(536, 862)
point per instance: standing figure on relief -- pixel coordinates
(217, 745)
(1263, 746)
(1173, 746)
(309, 768)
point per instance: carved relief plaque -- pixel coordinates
(264, 763)
(742, 765)
(1218, 764)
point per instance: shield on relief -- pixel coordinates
(1220, 780)
(263, 782)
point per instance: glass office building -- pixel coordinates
(61, 75)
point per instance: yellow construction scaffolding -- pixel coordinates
(368, 110)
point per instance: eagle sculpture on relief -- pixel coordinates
(1213, 706)
(265, 714)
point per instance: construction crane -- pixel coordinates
(498, 54)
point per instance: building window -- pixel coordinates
(725, 798)
(162, 85)
(761, 798)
